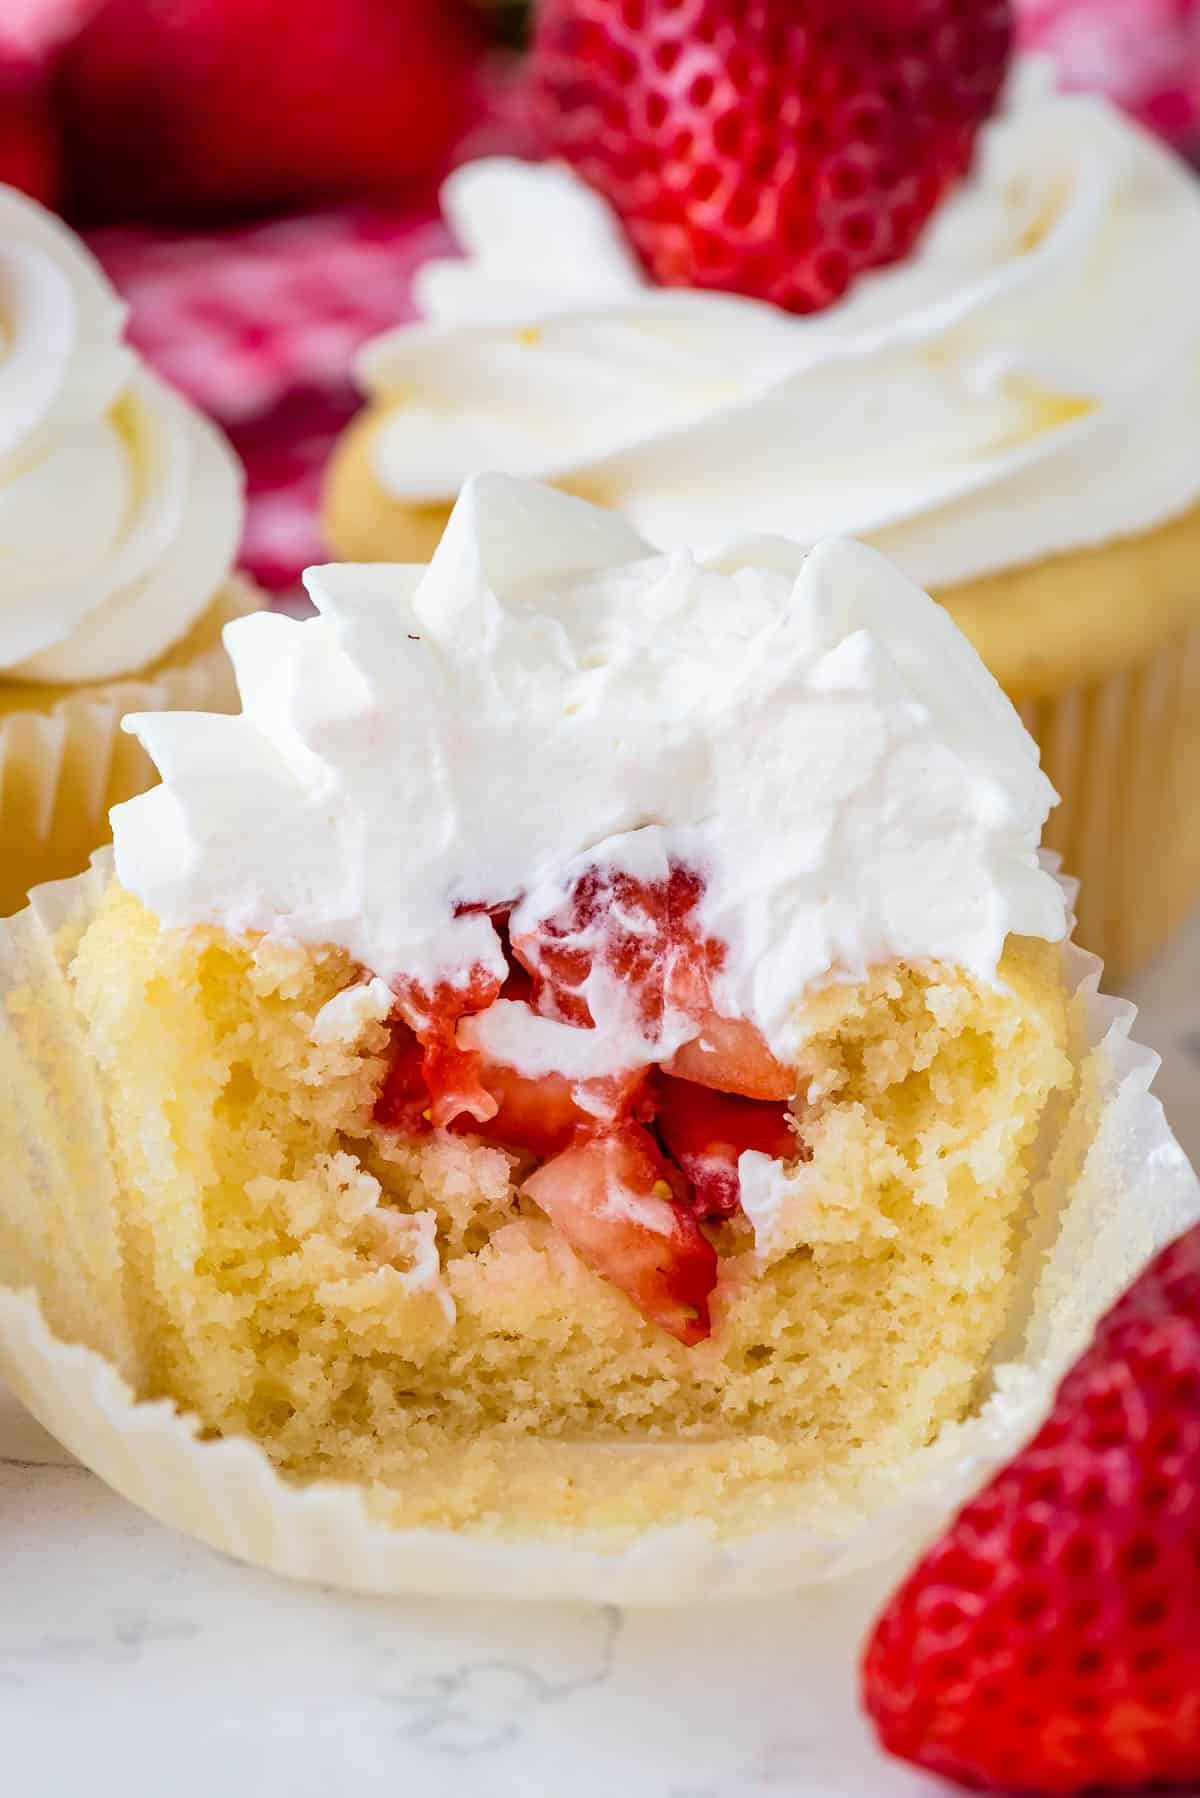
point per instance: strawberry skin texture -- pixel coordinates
(179, 108)
(1050, 1642)
(774, 148)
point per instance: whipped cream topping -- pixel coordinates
(120, 507)
(807, 732)
(1027, 382)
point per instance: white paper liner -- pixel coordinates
(1117, 1188)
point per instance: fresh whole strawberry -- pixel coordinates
(185, 107)
(776, 148)
(1050, 1642)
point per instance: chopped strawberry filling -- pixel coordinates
(642, 934)
(612, 1199)
(543, 1113)
(705, 1133)
(451, 1073)
(403, 1100)
(629, 1204)
(732, 1056)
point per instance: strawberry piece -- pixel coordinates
(732, 1056)
(540, 1115)
(777, 149)
(705, 1132)
(613, 1200)
(1050, 1642)
(207, 107)
(642, 933)
(403, 1099)
(451, 1073)
(543, 1114)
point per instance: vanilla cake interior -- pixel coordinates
(398, 1313)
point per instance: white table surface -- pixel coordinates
(136, 1662)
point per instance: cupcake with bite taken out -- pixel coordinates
(120, 514)
(588, 1056)
(829, 268)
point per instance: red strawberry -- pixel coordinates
(732, 1056)
(1050, 1642)
(403, 1101)
(705, 1132)
(542, 1113)
(613, 1199)
(29, 152)
(450, 1072)
(210, 106)
(776, 148)
(642, 932)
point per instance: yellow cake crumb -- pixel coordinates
(396, 1314)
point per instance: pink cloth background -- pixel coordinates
(259, 325)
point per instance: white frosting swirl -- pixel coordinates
(809, 733)
(1027, 382)
(120, 507)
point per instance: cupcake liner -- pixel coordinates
(62, 768)
(1112, 1187)
(1124, 754)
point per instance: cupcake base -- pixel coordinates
(360, 521)
(64, 759)
(1114, 1188)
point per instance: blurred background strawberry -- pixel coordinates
(32, 33)
(180, 108)
(178, 131)
(29, 146)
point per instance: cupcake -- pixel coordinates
(1006, 402)
(121, 511)
(588, 1057)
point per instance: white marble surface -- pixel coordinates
(133, 1661)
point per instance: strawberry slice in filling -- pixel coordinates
(706, 1132)
(731, 1056)
(543, 1113)
(611, 1197)
(634, 1156)
(451, 1073)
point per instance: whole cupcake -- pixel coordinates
(581, 1086)
(120, 515)
(798, 269)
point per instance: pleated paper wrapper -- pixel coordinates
(1112, 1187)
(1124, 756)
(63, 766)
